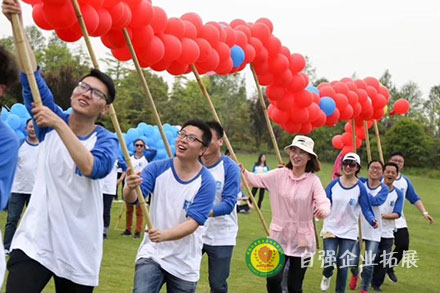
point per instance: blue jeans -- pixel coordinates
(368, 266)
(149, 277)
(382, 260)
(15, 208)
(342, 257)
(219, 264)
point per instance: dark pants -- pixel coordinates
(295, 276)
(15, 208)
(28, 275)
(108, 200)
(260, 195)
(381, 262)
(401, 244)
(122, 184)
(219, 265)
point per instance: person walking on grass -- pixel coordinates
(348, 198)
(296, 197)
(260, 167)
(220, 234)
(390, 211)
(60, 234)
(23, 182)
(378, 193)
(182, 196)
(401, 234)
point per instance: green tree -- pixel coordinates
(432, 110)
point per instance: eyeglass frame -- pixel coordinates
(189, 137)
(92, 90)
(350, 163)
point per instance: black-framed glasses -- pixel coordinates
(349, 163)
(97, 94)
(139, 145)
(189, 137)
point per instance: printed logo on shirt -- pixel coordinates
(186, 205)
(352, 201)
(392, 203)
(218, 185)
(265, 257)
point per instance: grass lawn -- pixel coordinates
(117, 268)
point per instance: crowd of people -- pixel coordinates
(66, 173)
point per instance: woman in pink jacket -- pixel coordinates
(296, 196)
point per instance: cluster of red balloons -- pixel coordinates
(344, 142)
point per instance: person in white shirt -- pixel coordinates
(60, 234)
(23, 182)
(390, 211)
(182, 195)
(220, 235)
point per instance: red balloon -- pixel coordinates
(211, 63)
(261, 56)
(401, 106)
(341, 101)
(245, 29)
(256, 43)
(303, 98)
(68, 35)
(205, 49)
(297, 63)
(372, 92)
(278, 64)
(190, 30)
(384, 91)
(225, 67)
(274, 92)
(173, 47)
(210, 33)
(306, 128)
(159, 20)
(224, 52)
(122, 54)
(273, 45)
(347, 138)
(237, 22)
(261, 31)
(110, 3)
(332, 119)
(346, 113)
(371, 81)
(91, 18)
(32, 2)
(177, 68)
(326, 90)
(193, 18)
(320, 121)
(341, 88)
(242, 39)
(277, 116)
(105, 22)
(114, 39)
(267, 22)
(60, 16)
(378, 113)
(40, 18)
(360, 84)
(380, 101)
(357, 110)
(337, 142)
(175, 27)
(299, 115)
(54, 2)
(142, 35)
(222, 32)
(292, 127)
(161, 65)
(190, 52)
(231, 37)
(249, 54)
(152, 53)
(286, 102)
(362, 95)
(284, 78)
(265, 79)
(142, 14)
(352, 98)
(347, 149)
(121, 15)
(314, 112)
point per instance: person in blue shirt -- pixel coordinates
(260, 167)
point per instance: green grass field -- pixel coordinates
(117, 269)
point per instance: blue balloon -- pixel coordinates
(313, 89)
(4, 114)
(20, 136)
(130, 148)
(13, 121)
(161, 155)
(149, 131)
(327, 105)
(132, 134)
(142, 127)
(19, 110)
(68, 111)
(237, 55)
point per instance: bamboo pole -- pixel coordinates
(112, 113)
(266, 116)
(229, 146)
(367, 142)
(353, 130)
(25, 58)
(147, 92)
(379, 145)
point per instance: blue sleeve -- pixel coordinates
(411, 194)
(150, 173)
(399, 202)
(201, 206)
(122, 164)
(46, 97)
(364, 202)
(328, 189)
(8, 161)
(380, 197)
(105, 153)
(230, 189)
(150, 154)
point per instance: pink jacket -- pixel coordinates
(292, 201)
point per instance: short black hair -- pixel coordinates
(200, 124)
(105, 79)
(375, 161)
(397, 153)
(217, 128)
(138, 139)
(9, 71)
(391, 164)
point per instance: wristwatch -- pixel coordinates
(425, 213)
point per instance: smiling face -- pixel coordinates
(87, 104)
(389, 175)
(399, 160)
(349, 167)
(298, 157)
(30, 130)
(215, 145)
(186, 149)
(375, 171)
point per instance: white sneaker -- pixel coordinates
(325, 283)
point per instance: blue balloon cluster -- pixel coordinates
(151, 136)
(237, 55)
(16, 119)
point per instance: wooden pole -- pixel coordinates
(229, 146)
(379, 145)
(266, 116)
(25, 58)
(353, 130)
(147, 92)
(112, 113)
(367, 142)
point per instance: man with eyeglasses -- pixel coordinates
(401, 234)
(220, 235)
(60, 234)
(182, 195)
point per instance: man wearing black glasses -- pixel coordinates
(60, 234)
(182, 195)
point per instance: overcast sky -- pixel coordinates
(340, 37)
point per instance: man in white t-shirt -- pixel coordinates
(182, 195)
(220, 235)
(23, 182)
(60, 234)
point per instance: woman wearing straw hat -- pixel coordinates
(296, 196)
(340, 231)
